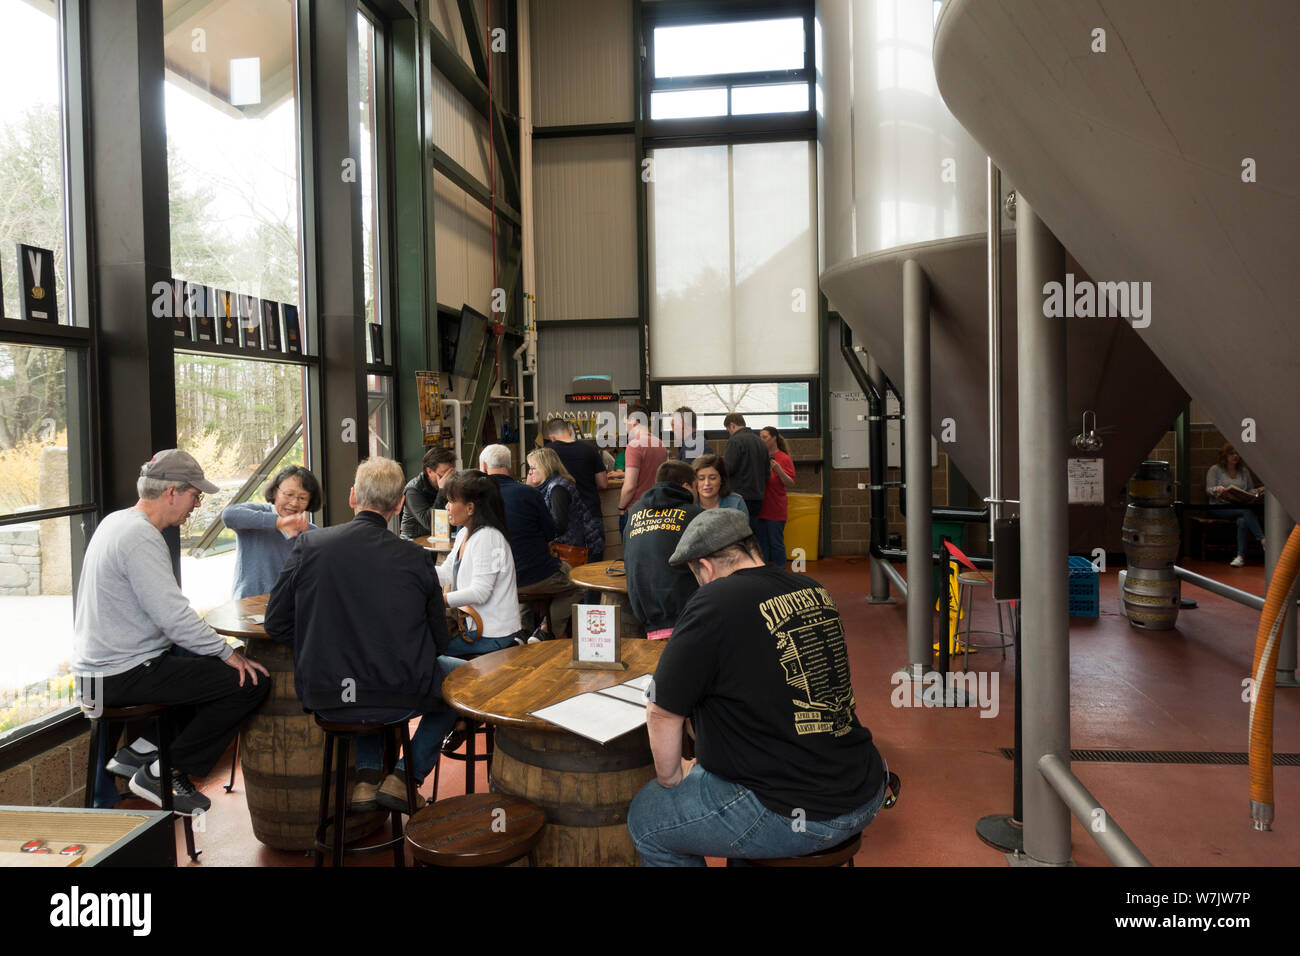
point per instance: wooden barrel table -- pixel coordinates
(584, 787)
(280, 745)
(610, 579)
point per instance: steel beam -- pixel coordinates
(1044, 536)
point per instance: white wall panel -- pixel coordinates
(462, 247)
(459, 130)
(585, 201)
(581, 61)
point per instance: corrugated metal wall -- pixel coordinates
(585, 202)
(565, 352)
(462, 235)
(459, 130)
(582, 61)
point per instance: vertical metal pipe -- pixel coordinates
(916, 427)
(1277, 526)
(879, 474)
(995, 343)
(1044, 526)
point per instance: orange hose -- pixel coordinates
(1279, 600)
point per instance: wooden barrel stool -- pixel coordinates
(478, 829)
(338, 735)
(161, 717)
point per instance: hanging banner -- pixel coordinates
(428, 388)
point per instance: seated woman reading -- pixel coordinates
(1224, 475)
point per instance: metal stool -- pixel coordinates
(471, 757)
(338, 735)
(842, 853)
(967, 582)
(160, 714)
(482, 829)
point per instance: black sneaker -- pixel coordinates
(186, 800)
(540, 635)
(126, 762)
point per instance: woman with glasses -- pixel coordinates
(265, 533)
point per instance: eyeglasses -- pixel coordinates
(198, 495)
(296, 499)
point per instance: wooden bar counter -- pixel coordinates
(584, 787)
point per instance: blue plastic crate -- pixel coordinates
(1084, 591)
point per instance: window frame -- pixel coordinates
(813, 383)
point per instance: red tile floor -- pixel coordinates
(1130, 689)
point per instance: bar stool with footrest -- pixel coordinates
(473, 755)
(338, 738)
(842, 853)
(481, 829)
(967, 582)
(160, 714)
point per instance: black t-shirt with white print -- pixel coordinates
(758, 660)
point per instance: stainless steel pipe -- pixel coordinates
(916, 429)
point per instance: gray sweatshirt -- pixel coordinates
(129, 606)
(1218, 475)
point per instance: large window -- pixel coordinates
(46, 493)
(232, 163)
(379, 338)
(787, 405)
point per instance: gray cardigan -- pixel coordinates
(262, 548)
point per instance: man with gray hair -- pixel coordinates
(368, 624)
(131, 617)
(758, 660)
(538, 573)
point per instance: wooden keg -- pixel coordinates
(1151, 598)
(1151, 537)
(280, 752)
(584, 787)
(1152, 485)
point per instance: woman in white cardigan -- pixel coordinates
(480, 571)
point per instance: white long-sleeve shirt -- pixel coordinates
(129, 607)
(484, 579)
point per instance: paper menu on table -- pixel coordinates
(599, 715)
(640, 683)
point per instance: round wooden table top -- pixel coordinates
(433, 544)
(234, 618)
(503, 687)
(596, 576)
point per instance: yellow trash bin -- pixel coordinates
(803, 525)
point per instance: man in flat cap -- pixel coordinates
(758, 661)
(131, 618)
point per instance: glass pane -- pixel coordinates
(781, 98)
(747, 47)
(681, 104)
(369, 179)
(232, 147)
(379, 394)
(783, 404)
(40, 467)
(242, 420)
(31, 164)
(36, 618)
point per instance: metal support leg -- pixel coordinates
(1044, 519)
(916, 425)
(880, 463)
(1277, 527)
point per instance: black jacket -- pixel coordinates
(658, 591)
(422, 499)
(366, 617)
(748, 464)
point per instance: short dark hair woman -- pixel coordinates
(265, 533)
(480, 571)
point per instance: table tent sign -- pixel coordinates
(595, 637)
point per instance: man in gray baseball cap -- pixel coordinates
(758, 661)
(131, 618)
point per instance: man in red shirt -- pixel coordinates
(645, 453)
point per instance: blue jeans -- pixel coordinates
(705, 815)
(459, 647)
(771, 541)
(426, 744)
(1246, 523)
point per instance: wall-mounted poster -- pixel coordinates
(271, 325)
(204, 311)
(227, 311)
(293, 343)
(428, 388)
(250, 323)
(36, 280)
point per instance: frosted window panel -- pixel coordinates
(712, 48)
(690, 262)
(782, 98)
(732, 240)
(684, 104)
(776, 271)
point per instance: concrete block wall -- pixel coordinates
(55, 778)
(20, 560)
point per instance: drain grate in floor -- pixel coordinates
(1221, 757)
